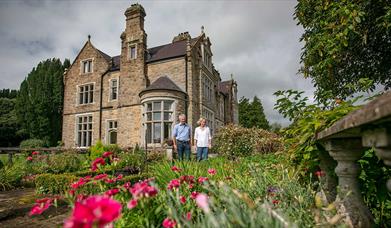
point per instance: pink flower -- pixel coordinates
(212, 171)
(110, 181)
(115, 160)
(275, 202)
(190, 186)
(96, 162)
(127, 185)
(119, 177)
(143, 189)
(71, 192)
(81, 197)
(95, 210)
(187, 179)
(100, 176)
(169, 223)
(320, 173)
(112, 192)
(40, 206)
(182, 199)
(35, 153)
(79, 183)
(188, 216)
(201, 180)
(203, 202)
(176, 169)
(29, 158)
(107, 154)
(132, 204)
(174, 183)
(194, 195)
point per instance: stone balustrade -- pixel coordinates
(346, 141)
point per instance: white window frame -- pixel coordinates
(111, 129)
(111, 89)
(130, 51)
(209, 115)
(89, 131)
(82, 68)
(78, 92)
(150, 142)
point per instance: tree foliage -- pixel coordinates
(40, 101)
(8, 93)
(8, 123)
(251, 113)
(345, 43)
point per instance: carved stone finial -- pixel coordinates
(202, 29)
(232, 76)
(89, 37)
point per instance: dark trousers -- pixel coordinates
(202, 153)
(183, 148)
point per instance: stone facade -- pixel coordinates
(135, 98)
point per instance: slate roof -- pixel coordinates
(163, 83)
(158, 53)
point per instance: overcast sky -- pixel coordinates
(256, 41)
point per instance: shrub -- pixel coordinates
(33, 143)
(235, 141)
(65, 162)
(53, 183)
(11, 176)
(96, 150)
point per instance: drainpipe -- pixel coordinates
(186, 86)
(101, 104)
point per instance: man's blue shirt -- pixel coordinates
(182, 132)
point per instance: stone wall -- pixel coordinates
(172, 68)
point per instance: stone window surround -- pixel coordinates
(77, 94)
(130, 46)
(208, 95)
(82, 66)
(110, 86)
(144, 128)
(108, 130)
(76, 129)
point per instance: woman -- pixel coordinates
(202, 139)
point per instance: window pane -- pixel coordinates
(113, 137)
(149, 133)
(89, 138)
(149, 116)
(84, 143)
(167, 105)
(91, 96)
(110, 124)
(157, 106)
(157, 116)
(167, 130)
(132, 52)
(115, 124)
(157, 132)
(90, 119)
(149, 107)
(79, 138)
(167, 115)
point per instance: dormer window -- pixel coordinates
(132, 52)
(87, 66)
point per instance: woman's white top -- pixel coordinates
(202, 135)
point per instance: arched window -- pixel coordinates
(112, 132)
(158, 120)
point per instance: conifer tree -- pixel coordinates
(251, 114)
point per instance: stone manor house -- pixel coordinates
(136, 97)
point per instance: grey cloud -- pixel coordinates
(257, 41)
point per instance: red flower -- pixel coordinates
(176, 169)
(143, 189)
(71, 192)
(127, 185)
(320, 173)
(190, 186)
(174, 183)
(119, 177)
(95, 210)
(35, 153)
(194, 195)
(29, 158)
(212, 171)
(275, 202)
(169, 223)
(202, 179)
(40, 206)
(98, 161)
(110, 181)
(112, 192)
(107, 154)
(132, 204)
(188, 216)
(100, 176)
(81, 197)
(80, 182)
(182, 199)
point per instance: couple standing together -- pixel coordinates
(182, 138)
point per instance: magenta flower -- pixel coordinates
(182, 199)
(112, 192)
(188, 216)
(194, 195)
(176, 169)
(80, 182)
(201, 180)
(174, 183)
(320, 173)
(212, 171)
(143, 189)
(107, 154)
(40, 206)
(100, 176)
(95, 210)
(203, 202)
(132, 204)
(96, 162)
(29, 158)
(169, 223)
(35, 153)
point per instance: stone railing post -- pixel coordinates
(380, 139)
(169, 153)
(346, 152)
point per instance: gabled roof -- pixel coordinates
(225, 87)
(105, 56)
(168, 51)
(163, 83)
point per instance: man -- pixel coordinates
(181, 136)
